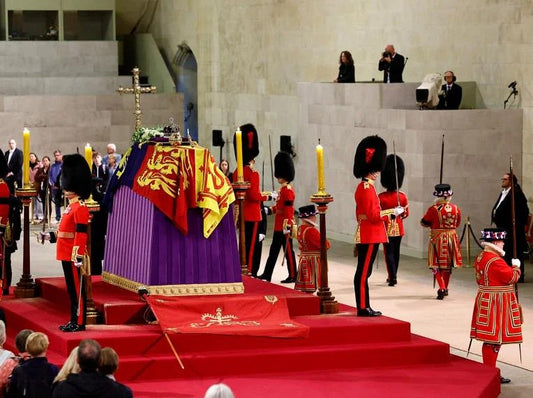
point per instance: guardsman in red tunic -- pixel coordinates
(496, 319)
(308, 237)
(444, 248)
(369, 160)
(392, 179)
(71, 237)
(284, 219)
(253, 199)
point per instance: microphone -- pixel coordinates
(406, 59)
(512, 85)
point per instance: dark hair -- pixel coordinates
(89, 352)
(348, 55)
(20, 339)
(36, 157)
(515, 181)
(108, 361)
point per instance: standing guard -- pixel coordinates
(71, 237)
(309, 242)
(497, 317)
(369, 161)
(392, 179)
(444, 248)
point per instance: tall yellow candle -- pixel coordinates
(320, 167)
(89, 155)
(26, 157)
(238, 141)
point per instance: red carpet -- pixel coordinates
(343, 355)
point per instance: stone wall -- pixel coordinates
(252, 53)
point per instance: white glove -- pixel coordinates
(286, 231)
(274, 195)
(515, 262)
(42, 236)
(399, 210)
(79, 262)
(261, 237)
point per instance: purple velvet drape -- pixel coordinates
(144, 246)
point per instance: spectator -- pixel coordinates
(88, 382)
(111, 150)
(35, 376)
(108, 367)
(70, 366)
(346, 68)
(220, 390)
(42, 186)
(53, 182)
(7, 367)
(224, 166)
(4, 354)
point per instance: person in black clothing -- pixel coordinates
(392, 64)
(89, 383)
(501, 216)
(346, 68)
(100, 178)
(452, 93)
(34, 377)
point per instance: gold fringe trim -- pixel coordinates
(175, 290)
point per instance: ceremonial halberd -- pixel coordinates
(171, 227)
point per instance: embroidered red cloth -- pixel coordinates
(253, 316)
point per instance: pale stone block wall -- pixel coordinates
(252, 53)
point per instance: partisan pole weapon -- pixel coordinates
(396, 173)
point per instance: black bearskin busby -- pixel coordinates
(284, 166)
(76, 175)
(250, 143)
(369, 156)
(388, 175)
(3, 166)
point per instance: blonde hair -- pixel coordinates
(108, 361)
(37, 344)
(70, 366)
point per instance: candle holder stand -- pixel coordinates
(240, 189)
(26, 286)
(328, 304)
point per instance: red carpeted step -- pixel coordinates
(457, 378)
(266, 360)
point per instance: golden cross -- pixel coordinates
(136, 89)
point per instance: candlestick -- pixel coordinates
(89, 155)
(320, 167)
(238, 141)
(26, 157)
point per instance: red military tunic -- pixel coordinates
(72, 231)
(253, 198)
(388, 201)
(284, 208)
(309, 262)
(496, 318)
(370, 227)
(444, 248)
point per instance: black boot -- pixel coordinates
(440, 294)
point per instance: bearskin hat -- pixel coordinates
(369, 156)
(76, 175)
(284, 166)
(388, 175)
(493, 234)
(3, 167)
(250, 143)
(443, 191)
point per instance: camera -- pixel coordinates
(386, 54)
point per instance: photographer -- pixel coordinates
(392, 64)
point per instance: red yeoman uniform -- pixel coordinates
(308, 236)
(444, 248)
(496, 318)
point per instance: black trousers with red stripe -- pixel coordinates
(254, 248)
(365, 261)
(279, 240)
(73, 280)
(392, 255)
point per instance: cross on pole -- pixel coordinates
(137, 90)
